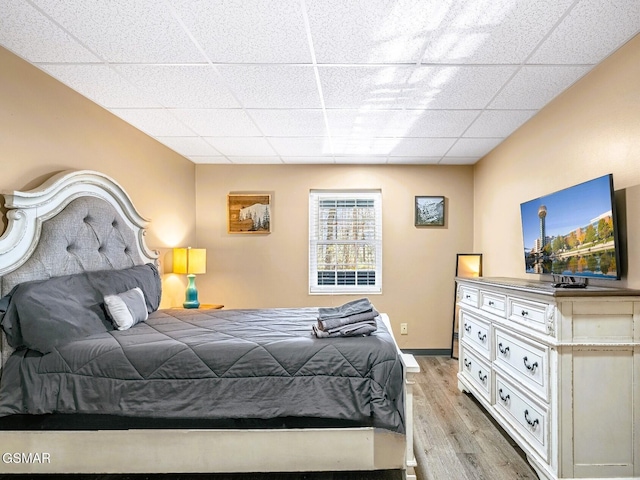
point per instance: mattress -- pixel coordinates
(214, 364)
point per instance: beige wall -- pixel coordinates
(46, 127)
(247, 270)
(590, 130)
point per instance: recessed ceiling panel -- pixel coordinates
(473, 147)
(534, 86)
(301, 146)
(235, 31)
(189, 146)
(289, 122)
(28, 33)
(272, 86)
(590, 32)
(101, 84)
(213, 122)
(491, 31)
(417, 147)
(498, 123)
(368, 31)
(180, 86)
(154, 121)
(124, 30)
(242, 146)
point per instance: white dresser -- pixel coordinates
(559, 369)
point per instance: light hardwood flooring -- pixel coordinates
(454, 440)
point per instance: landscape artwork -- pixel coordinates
(249, 213)
(429, 211)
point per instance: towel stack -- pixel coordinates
(352, 319)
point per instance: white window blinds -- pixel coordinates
(345, 241)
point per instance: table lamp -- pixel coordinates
(191, 261)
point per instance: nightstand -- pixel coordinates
(203, 306)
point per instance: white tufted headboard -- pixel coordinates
(77, 221)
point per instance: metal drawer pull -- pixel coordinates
(532, 423)
(504, 398)
(531, 367)
(524, 313)
(482, 378)
(467, 328)
(467, 363)
(482, 337)
(504, 350)
(491, 304)
(467, 296)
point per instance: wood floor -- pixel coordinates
(454, 440)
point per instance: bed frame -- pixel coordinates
(34, 246)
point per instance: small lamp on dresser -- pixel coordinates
(192, 261)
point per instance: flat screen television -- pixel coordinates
(573, 233)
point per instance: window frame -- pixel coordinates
(315, 197)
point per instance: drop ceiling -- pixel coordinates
(320, 81)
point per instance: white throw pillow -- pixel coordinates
(127, 308)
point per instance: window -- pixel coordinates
(345, 241)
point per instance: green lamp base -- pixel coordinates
(191, 294)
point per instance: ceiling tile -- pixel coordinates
(289, 122)
(309, 160)
(301, 146)
(189, 146)
(262, 32)
(180, 86)
(361, 159)
(413, 160)
(458, 160)
(367, 31)
(242, 146)
(473, 147)
(28, 33)
(125, 31)
(490, 31)
(498, 123)
(272, 86)
(457, 87)
(217, 122)
(363, 145)
(212, 159)
(365, 87)
(101, 84)
(400, 123)
(417, 147)
(579, 37)
(534, 86)
(255, 160)
(153, 121)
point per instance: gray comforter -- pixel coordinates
(213, 364)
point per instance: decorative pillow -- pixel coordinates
(47, 313)
(127, 308)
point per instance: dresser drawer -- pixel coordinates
(476, 371)
(529, 418)
(493, 303)
(524, 360)
(468, 295)
(476, 332)
(532, 314)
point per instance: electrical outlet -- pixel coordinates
(403, 329)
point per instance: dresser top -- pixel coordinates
(547, 288)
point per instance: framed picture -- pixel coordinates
(249, 213)
(429, 211)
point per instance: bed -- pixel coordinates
(197, 391)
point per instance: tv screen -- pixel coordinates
(573, 232)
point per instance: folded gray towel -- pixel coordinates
(328, 324)
(352, 330)
(350, 308)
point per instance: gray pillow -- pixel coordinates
(47, 313)
(127, 308)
